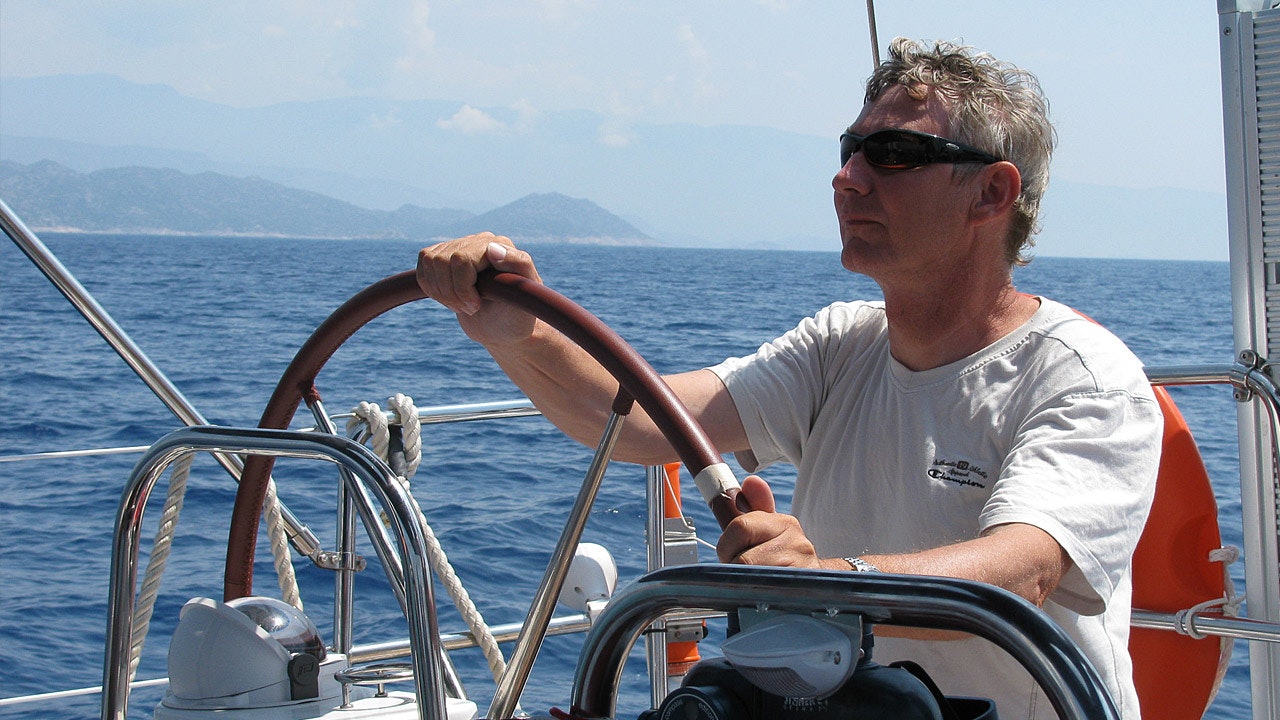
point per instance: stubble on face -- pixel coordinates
(894, 222)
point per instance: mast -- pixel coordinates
(875, 39)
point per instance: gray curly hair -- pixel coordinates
(992, 105)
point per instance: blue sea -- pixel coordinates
(223, 316)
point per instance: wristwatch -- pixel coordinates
(861, 565)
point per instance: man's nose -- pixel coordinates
(854, 176)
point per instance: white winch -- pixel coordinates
(257, 658)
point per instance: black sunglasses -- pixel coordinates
(906, 149)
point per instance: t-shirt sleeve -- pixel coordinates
(1083, 470)
(779, 390)
(771, 379)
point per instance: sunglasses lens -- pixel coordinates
(907, 149)
(889, 149)
(848, 146)
(886, 149)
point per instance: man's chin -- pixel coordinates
(858, 257)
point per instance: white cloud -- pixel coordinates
(345, 23)
(616, 130)
(564, 9)
(697, 52)
(699, 63)
(471, 121)
(528, 115)
(420, 39)
(618, 138)
(385, 121)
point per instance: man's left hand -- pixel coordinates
(763, 536)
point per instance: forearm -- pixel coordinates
(570, 388)
(576, 394)
(1025, 561)
(1019, 558)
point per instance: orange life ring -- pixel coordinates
(1177, 675)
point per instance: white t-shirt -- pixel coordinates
(1054, 425)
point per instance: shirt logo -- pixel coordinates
(960, 472)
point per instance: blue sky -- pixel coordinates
(1134, 86)
(1138, 78)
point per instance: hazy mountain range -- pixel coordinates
(726, 186)
(48, 195)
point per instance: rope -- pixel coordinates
(371, 415)
(159, 557)
(673, 491)
(1231, 602)
(1184, 621)
(405, 462)
(461, 598)
(280, 554)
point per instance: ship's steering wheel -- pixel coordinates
(636, 378)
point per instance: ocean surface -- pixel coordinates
(223, 316)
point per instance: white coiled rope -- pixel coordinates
(405, 461)
(1184, 621)
(405, 465)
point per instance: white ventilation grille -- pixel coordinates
(1266, 97)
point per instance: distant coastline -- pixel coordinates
(196, 235)
(53, 198)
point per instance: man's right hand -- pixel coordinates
(447, 273)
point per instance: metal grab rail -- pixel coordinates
(1017, 626)
(363, 465)
(427, 416)
(1205, 623)
(1248, 376)
(1252, 383)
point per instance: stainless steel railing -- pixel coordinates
(1012, 623)
(362, 465)
(1251, 383)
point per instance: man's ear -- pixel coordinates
(999, 186)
